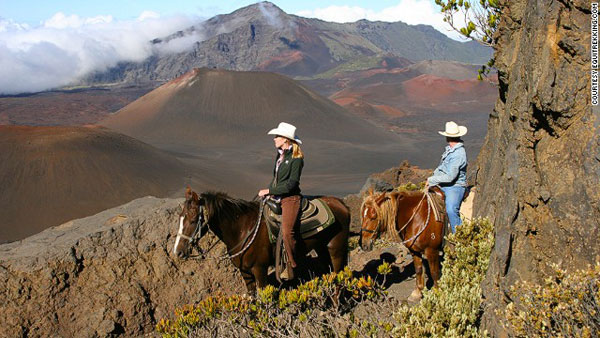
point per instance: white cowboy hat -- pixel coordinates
(453, 130)
(286, 130)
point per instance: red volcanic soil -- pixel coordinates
(50, 175)
(432, 90)
(282, 60)
(74, 107)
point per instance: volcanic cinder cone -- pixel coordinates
(225, 115)
(217, 107)
(50, 175)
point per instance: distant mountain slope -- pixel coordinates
(263, 37)
(50, 175)
(66, 107)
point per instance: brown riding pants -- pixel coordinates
(290, 207)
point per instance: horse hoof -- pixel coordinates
(415, 296)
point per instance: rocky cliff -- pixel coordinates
(104, 275)
(539, 168)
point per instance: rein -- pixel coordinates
(227, 255)
(376, 231)
(413, 238)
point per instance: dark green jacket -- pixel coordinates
(286, 181)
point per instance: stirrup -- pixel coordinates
(285, 274)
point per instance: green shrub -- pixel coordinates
(453, 308)
(411, 186)
(316, 308)
(566, 305)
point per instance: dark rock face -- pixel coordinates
(105, 275)
(538, 171)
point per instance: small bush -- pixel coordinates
(411, 186)
(566, 305)
(453, 308)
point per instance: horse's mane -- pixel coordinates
(220, 206)
(386, 213)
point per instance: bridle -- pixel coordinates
(369, 231)
(203, 222)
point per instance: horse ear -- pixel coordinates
(188, 193)
(195, 196)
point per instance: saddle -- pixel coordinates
(435, 199)
(315, 217)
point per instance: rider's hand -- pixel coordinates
(263, 192)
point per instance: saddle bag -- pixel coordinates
(274, 205)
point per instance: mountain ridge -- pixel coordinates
(253, 37)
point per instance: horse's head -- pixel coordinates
(191, 220)
(371, 219)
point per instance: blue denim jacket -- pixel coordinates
(452, 169)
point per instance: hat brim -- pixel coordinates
(462, 130)
(282, 133)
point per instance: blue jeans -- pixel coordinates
(454, 196)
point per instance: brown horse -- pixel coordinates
(235, 222)
(408, 218)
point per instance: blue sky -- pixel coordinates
(36, 12)
(50, 43)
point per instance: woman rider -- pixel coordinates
(451, 174)
(286, 187)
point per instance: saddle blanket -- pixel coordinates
(316, 217)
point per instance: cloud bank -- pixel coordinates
(66, 47)
(412, 12)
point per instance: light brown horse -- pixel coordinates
(405, 217)
(235, 222)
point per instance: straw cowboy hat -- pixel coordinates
(286, 130)
(453, 130)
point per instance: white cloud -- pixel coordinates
(148, 15)
(412, 12)
(10, 25)
(66, 47)
(61, 21)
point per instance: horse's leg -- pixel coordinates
(250, 282)
(260, 275)
(338, 251)
(433, 258)
(417, 294)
